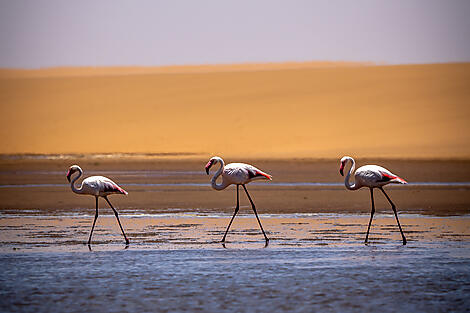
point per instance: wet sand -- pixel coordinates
(50, 233)
(164, 185)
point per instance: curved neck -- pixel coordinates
(223, 184)
(348, 185)
(72, 183)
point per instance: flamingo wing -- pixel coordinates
(103, 185)
(367, 175)
(235, 174)
(390, 177)
(373, 175)
(111, 187)
(385, 178)
(241, 173)
(254, 173)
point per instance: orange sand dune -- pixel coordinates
(266, 111)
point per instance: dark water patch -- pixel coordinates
(168, 230)
(326, 231)
(290, 244)
(50, 234)
(143, 235)
(281, 238)
(326, 238)
(11, 227)
(396, 229)
(183, 225)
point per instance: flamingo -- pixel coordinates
(236, 174)
(97, 186)
(372, 176)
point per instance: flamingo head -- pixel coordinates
(343, 164)
(72, 169)
(211, 162)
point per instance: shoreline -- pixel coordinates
(168, 186)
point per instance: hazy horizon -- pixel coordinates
(187, 67)
(43, 34)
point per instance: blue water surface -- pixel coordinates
(419, 277)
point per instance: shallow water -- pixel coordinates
(314, 262)
(388, 278)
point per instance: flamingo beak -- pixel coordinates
(68, 175)
(341, 169)
(208, 166)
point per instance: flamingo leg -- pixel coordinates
(256, 214)
(396, 215)
(371, 212)
(236, 211)
(94, 221)
(119, 222)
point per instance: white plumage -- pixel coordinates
(97, 186)
(375, 176)
(100, 186)
(372, 176)
(236, 174)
